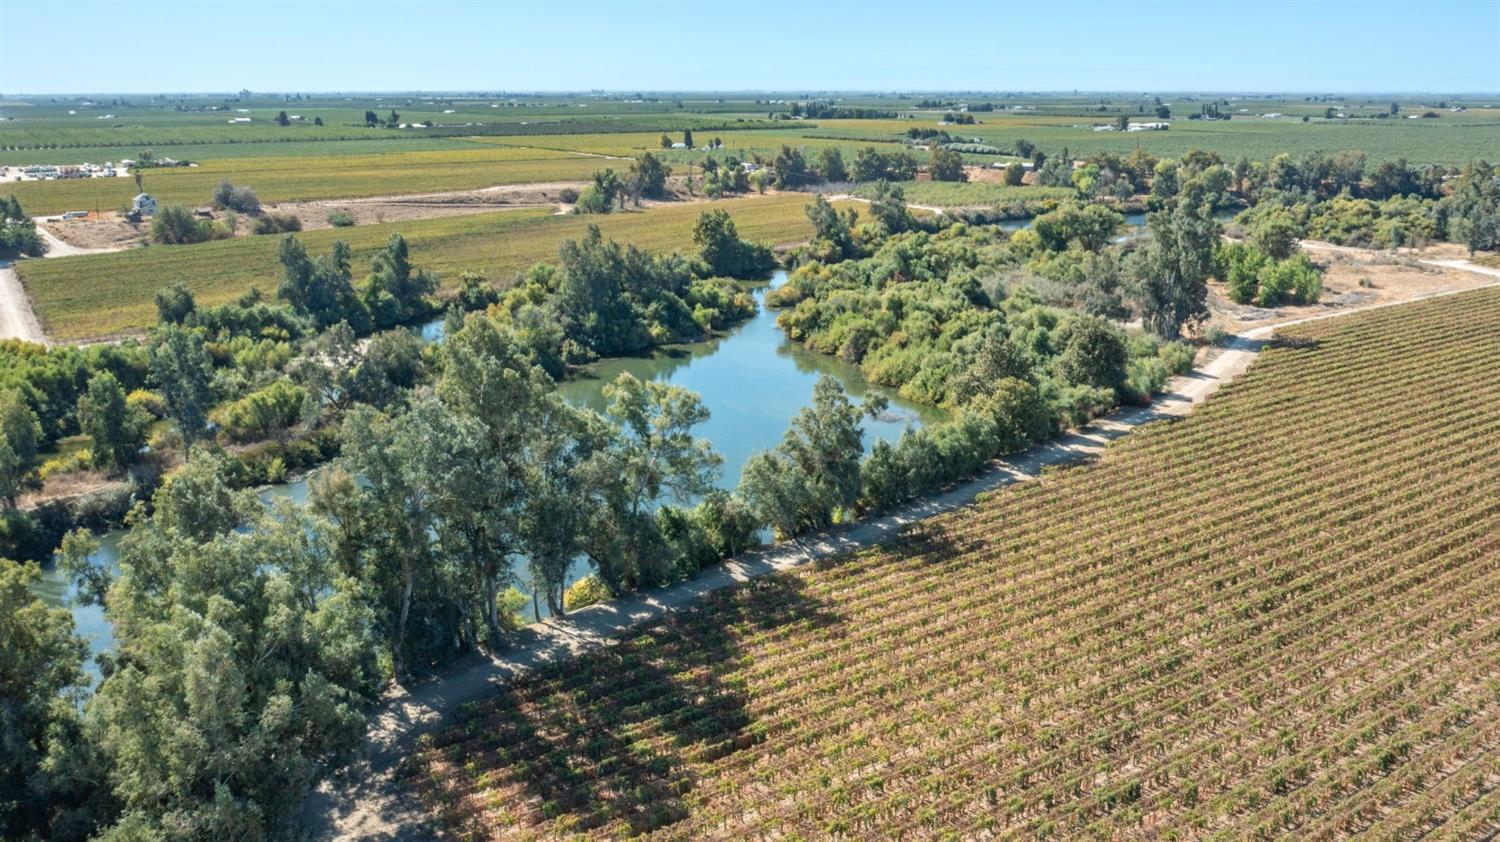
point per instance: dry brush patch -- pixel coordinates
(1277, 617)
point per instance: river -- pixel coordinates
(752, 379)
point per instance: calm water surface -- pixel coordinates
(753, 380)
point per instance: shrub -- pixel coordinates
(341, 219)
(175, 225)
(567, 196)
(262, 412)
(1294, 280)
(228, 197)
(586, 591)
(277, 223)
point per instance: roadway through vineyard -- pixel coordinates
(1277, 617)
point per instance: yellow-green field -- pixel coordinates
(286, 179)
(104, 295)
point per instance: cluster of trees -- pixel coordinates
(1395, 207)
(1251, 274)
(226, 196)
(914, 309)
(825, 110)
(176, 225)
(322, 289)
(18, 236)
(646, 179)
(603, 299)
(870, 164)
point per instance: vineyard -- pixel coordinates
(1279, 617)
(106, 294)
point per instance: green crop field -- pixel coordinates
(315, 177)
(109, 294)
(1278, 617)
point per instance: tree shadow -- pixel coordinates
(608, 741)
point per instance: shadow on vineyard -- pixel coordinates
(610, 744)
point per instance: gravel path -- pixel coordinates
(17, 319)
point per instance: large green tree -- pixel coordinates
(184, 373)
(116, 428)
(20, 439)
(242, 661)
(41, 686)
(1171, 272)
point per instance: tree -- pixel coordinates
(20, 441)
(176, 225)
(600, 197)
(475, 486)
(116, 429)
(831, 165)
(789, 168)
(833, 232)
(1089, 227)
(1094, 352)
(395, 293)
(947, 165)
(243, 662)
(1172, 271)
(687, 138)
(650, 176)
(720, 246)
(813, 475)
(888, 207)
(654, 455)
(666, 142)
(228, 197)
(174, 303)
(1473, 208)
(1024, 148)
(1014, 173)
(283, 120)
(18, 234)
(1163, 112)
(42, 684)
(1276, 233)
(371, 119)
(184, 373)
(320, 289)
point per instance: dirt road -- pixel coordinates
(17, 320)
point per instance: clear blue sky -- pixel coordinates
(315, 45)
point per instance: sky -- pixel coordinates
(82, 46)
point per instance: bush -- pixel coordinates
(176, 225)
(262, 412)
(567, 196)
(1294, 280)
(586, 591)
(277, 223)
(341, 219)
(152, 403)
(228, 197)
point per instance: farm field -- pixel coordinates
(1278, 617)
(109, 294)
(285, 179)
